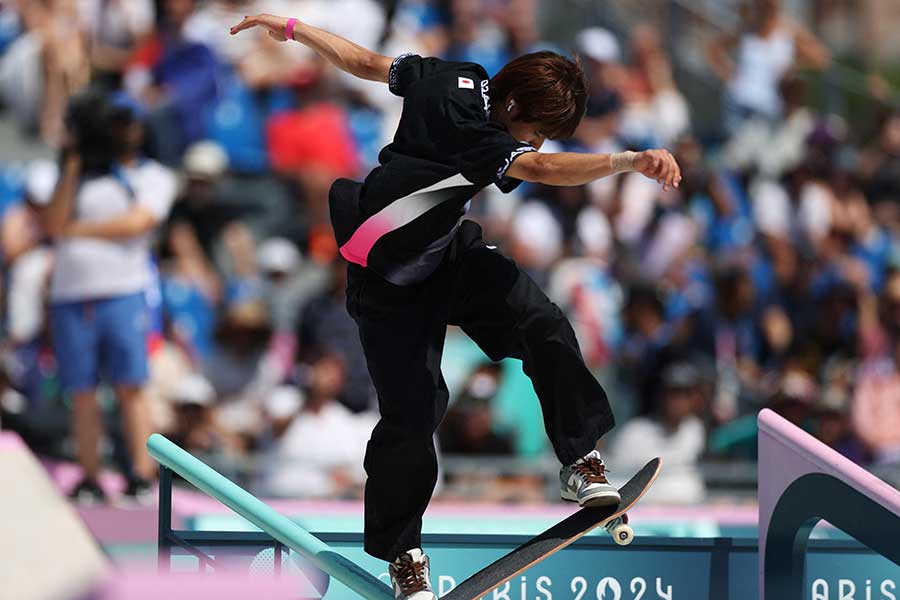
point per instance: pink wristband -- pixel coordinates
(289, 28)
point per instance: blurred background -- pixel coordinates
(771, 278)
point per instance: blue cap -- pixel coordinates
(125, 100)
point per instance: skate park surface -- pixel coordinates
(710, 552)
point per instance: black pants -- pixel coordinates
(402, 331)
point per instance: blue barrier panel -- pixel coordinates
(590, 569)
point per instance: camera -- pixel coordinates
(98, 128)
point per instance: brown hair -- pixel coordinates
(548, 88)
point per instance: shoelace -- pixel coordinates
(410, 575)
(593, 470)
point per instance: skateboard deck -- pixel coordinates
(555, 539)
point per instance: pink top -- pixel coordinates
(876, 408)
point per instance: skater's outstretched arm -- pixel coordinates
(340, 52)
(574, 168)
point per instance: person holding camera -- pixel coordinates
(105, 206)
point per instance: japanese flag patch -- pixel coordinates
(466, 83)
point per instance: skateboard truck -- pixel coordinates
(620, 530)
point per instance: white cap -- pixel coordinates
(283, 401)
(535, 227)
(593, 230)
(675, 235)
(771, 207)
(815, 216)
(599, 44)
(194, 389)
(278, 255)
(205, 160)
(40, 179)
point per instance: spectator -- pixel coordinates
(325, 323)
(875, 408)
(176, 78)
(648, 348)
(773, 149)
(237, 367)
(313, 146)
(880, 166)
(102, 213)
(586, 289)
(875, 413)
(191, 289)
(732, 338)
(318, 448)
(209, 25)
(674, 432)
(834, 424)
(205, 165)
(468, 427)
(115, 29)
(536, 239)
(45, 66)
(767, 46)
(196, 430)
(290, 283)
(655, 111)
(604, 57)
(472, 38)
(27, 259)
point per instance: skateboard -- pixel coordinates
(613, 518)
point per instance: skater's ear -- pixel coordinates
(512, 108)
(547, 88)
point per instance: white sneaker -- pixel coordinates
(410, 574)
(585, 482)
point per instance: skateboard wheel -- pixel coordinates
(623, 534)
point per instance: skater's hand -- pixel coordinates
(659, 165)
(273, 25)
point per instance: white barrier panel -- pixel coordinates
(46, 552)
(803, 481)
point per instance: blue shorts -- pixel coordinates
(100, 340)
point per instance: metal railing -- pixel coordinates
(176, 460)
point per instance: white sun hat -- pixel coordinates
(278, 255)
(40, 180)
(599, 44)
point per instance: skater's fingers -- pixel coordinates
(676, 180)
(663, 163)
(251, 21)
(671, 173)
(247, 23)
(662, 172)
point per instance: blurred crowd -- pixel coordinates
(771, 278)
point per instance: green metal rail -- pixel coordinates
(266, 518)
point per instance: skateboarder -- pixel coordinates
(417, 265)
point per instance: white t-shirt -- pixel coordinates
(210, 25)
(92, 268)
(117, 22)
(760, 65)
(315, 445)
(641, 439)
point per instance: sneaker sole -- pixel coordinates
(594, 501)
